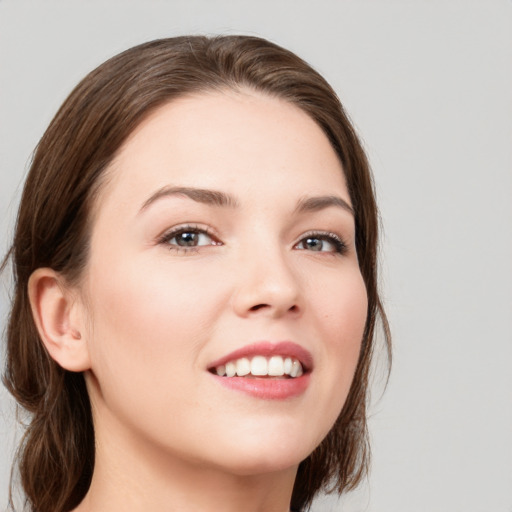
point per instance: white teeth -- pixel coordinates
(276, 366)
(243, 367)
(230, 369)
(260, 366)
(296, 369)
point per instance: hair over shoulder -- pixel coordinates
(56, 457)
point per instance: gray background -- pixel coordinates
(428, 85)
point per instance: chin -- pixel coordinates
(268, 452)
(263, 463)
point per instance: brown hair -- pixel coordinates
(56, 457)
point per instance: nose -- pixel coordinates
(266, 285)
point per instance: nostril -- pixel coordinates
(258, 307)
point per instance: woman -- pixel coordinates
(195, 286)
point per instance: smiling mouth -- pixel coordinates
(266, 370)
(260, 366)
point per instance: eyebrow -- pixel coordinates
(201, 195)
(313, 204)
(217, 198)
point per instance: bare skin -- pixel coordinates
(178, 279)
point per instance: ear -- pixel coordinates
(58, 316)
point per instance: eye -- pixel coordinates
(187, 237)
(322, 242)
(190, 239)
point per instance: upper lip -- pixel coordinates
(268, 349)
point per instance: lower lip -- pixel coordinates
(267, 388)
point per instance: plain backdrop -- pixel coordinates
(428, 86)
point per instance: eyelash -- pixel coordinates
(166, 238)
(340, 247)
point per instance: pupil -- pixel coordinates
(187, 239)
(314, 244)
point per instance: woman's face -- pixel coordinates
(224, 236)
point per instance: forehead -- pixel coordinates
(238, 140)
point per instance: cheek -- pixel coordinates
(148, 327)
(344, 311)
(342, 305)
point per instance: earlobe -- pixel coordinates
(59, 319)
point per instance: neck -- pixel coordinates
(134, 477)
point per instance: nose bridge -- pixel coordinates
(266, 280)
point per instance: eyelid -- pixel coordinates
(170, 233)
(338, 241)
